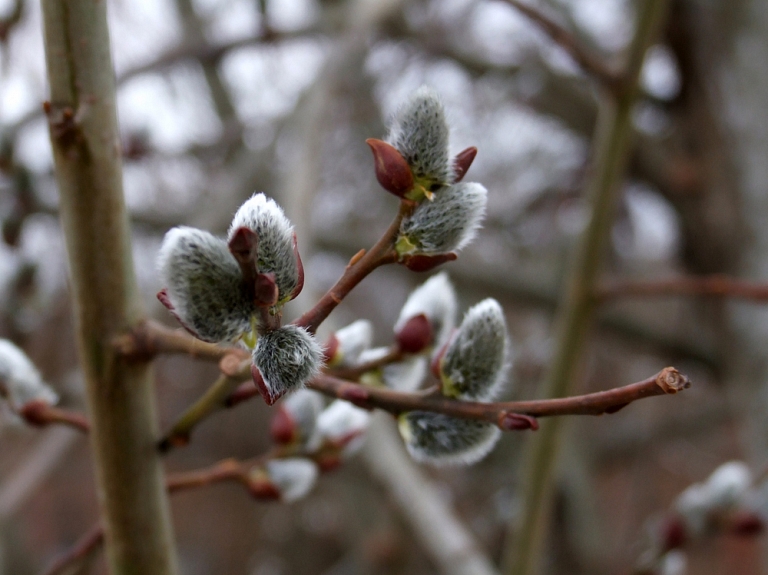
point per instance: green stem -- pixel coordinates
(611, 147)
(85, 141)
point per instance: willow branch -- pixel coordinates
(592, 65)
(150, 338)
(667, 381)
(360, 266)
(84, 135)
(713, 286)
(80, 551)
(41, 414)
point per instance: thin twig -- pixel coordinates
(713, 285)
(84, 546)
(667, 381)
(589, 63)
(41, 414)
(358, 269)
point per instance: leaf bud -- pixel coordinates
(20, 382)
(296, 418)
(446, 224)
(204, 285)
(475, 361)
(392, 171)
(462, 162)
(287, 358)
(435, 300)
(276, 251)
(443, 440)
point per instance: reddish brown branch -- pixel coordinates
(357, 270)
(225, 470)
(40, 414)
(150, 338)
(667, 381)
(589, 63)
(713, 285)
(84, 546)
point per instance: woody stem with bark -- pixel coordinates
(611, 147)
(85, 140)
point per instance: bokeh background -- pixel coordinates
(221, 98)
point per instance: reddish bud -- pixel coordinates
(462, 162)
(34, 412)
(518, 422)
(262, 387)
(244, 246)
(330, 348)
(263, 490)
(328, 461)
(265, 291)
(300, 268)
(673, 533)
(164, 299)
(425, 263)
(415, 335)
(282, 428)
(392, 171)
(435, 364)
(747, 524)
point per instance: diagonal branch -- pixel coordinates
(592, 65)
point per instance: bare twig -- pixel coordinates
(80, 551)
(714, 285)
(667, 381)
(589, 63)
(357, 270)
(41, 414)
(150, 338)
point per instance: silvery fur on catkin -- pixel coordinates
(275, 233)
(444, 440)
(420, 133)
(204, 284)
(287, 358)
(449, 222)
(476, 360)
(20, 378)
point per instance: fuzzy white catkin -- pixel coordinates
(342, 420)
(204, 284)
(420, 133)
(294, 477)
(275, 233)
(728, 483)
(447, 223)
(287, 358)
(436, 299)
(20, 377)
(476, 360)
(353, 340)
(304, 406)
(442, 440)
(405, 375)
(674, 562)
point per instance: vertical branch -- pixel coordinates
(84, 137)
(611, 147)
